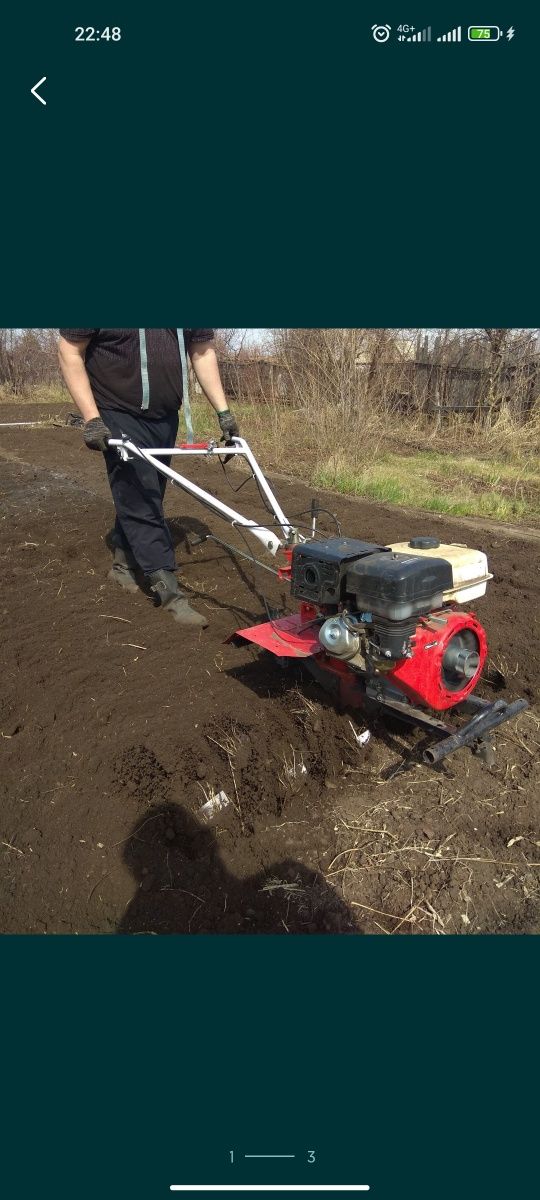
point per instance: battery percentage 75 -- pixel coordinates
(484, 33)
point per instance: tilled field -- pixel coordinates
(116, 727)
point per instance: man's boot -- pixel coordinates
(123, 570)
(164, 585)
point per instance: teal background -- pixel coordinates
(130, 1064)
(266, 165)
(237, 165)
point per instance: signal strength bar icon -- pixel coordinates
(423, 35)
(453, 35)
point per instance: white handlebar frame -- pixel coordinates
(239, 446)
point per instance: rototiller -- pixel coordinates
(381, 627)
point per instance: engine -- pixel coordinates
(391, 613)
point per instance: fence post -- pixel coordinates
(437, 400)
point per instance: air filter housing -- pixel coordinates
(399, 586)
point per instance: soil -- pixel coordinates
(117, 726)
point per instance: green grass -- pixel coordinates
(488, 470)
(443, 483)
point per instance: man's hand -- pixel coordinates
(228, 426)
(95, 434)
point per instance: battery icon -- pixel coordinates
(484, 33)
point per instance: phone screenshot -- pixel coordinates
(269, 654)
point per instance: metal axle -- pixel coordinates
(476, 729)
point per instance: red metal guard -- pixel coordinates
(288, 637)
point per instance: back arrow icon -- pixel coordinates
(35, 92)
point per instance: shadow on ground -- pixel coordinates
(183, 886)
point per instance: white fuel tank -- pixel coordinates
(469, 567)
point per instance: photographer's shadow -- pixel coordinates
(184, 887)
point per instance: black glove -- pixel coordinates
(95, 434)
(228, 426)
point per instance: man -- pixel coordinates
(129, 381)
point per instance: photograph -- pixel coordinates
(270, 649)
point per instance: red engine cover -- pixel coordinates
(421, 677)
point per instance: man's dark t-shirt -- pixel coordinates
(113, 363)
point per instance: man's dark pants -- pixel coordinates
(138, 489)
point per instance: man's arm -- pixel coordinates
(205, 364)
(72, 366)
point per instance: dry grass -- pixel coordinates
(43, 393)
(437, 901)
(467, 470)
(361, 446)
(229, 743)
(429, 859)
